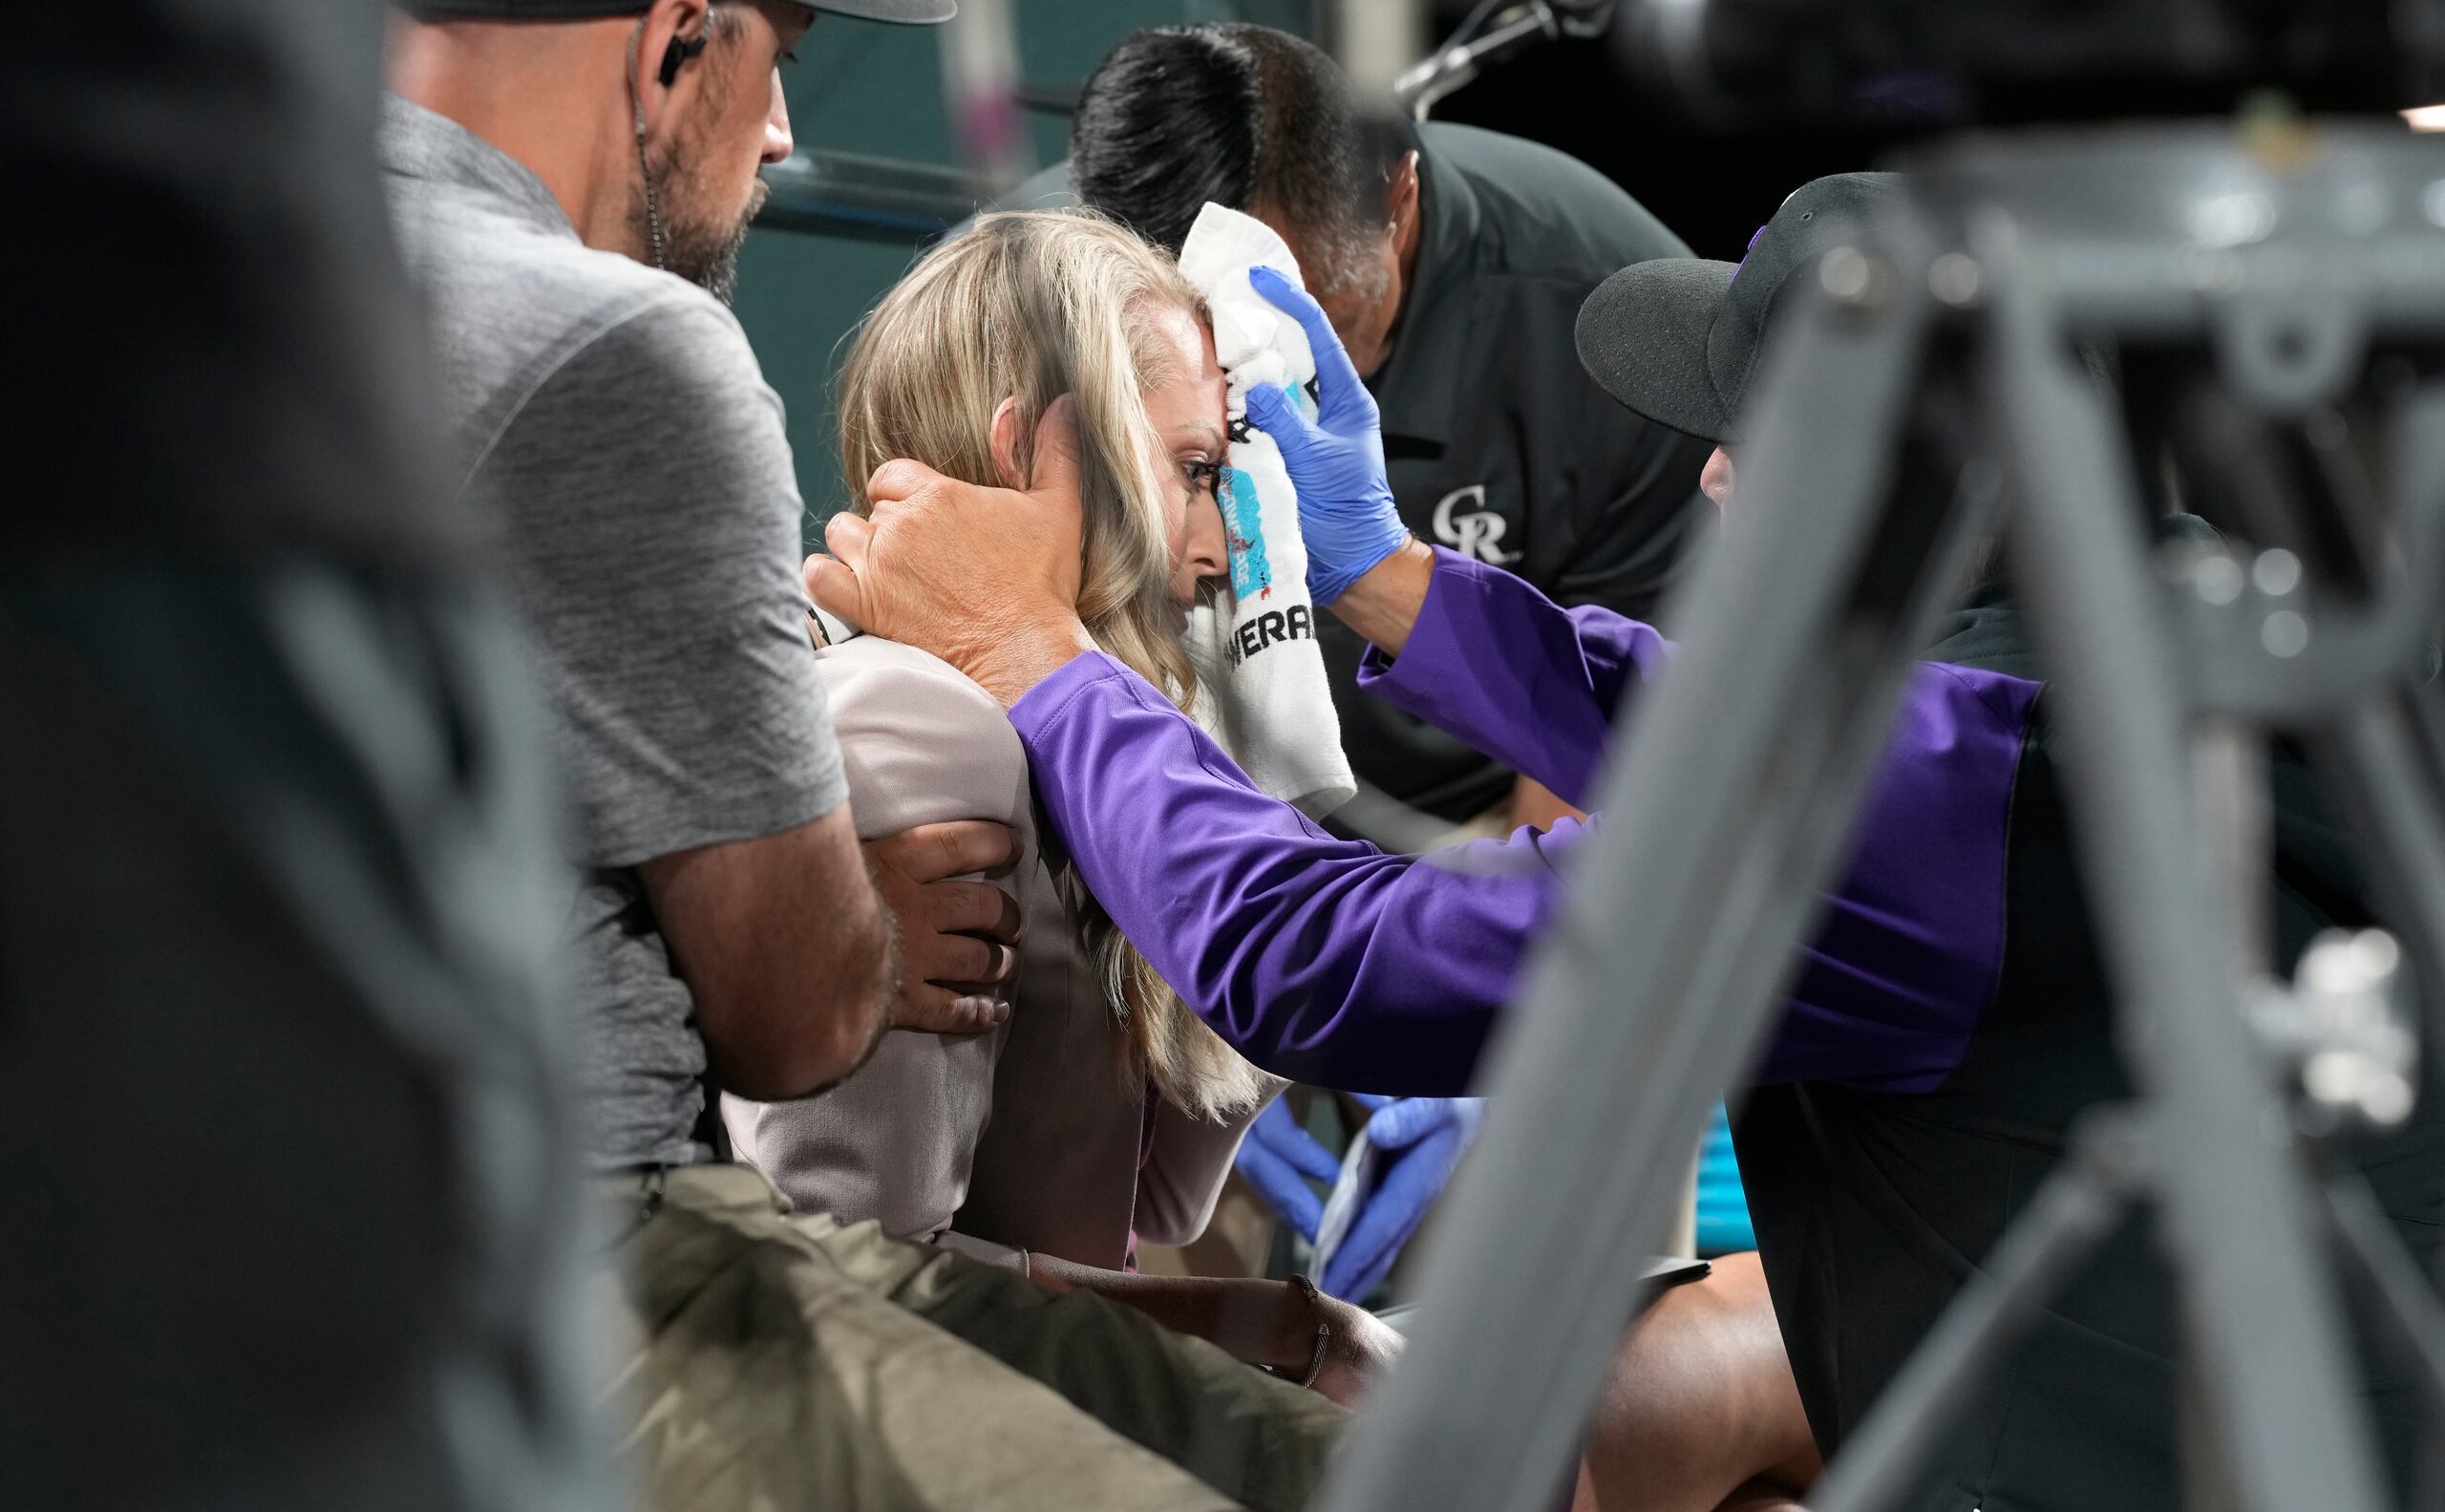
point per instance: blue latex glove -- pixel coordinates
(1279, 1158)
(1423, 1139)
(1336, 461)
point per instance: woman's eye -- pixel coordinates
(1204, 476)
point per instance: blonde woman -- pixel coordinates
(1104, 1113)
(956, 370)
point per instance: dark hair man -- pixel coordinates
(552, 165)
(1452, 262)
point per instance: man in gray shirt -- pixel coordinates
(552, 163)
(613, 420)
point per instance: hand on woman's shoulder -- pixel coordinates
(921, 741)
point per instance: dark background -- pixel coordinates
(1714, 189)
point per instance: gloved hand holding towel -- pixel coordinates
(1257, 652)
(1334, 451)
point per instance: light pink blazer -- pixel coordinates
(1026, 1138)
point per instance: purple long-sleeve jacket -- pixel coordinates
(1329, 960)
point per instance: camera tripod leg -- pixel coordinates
(2374, 759)
(1726, 812)
(2268, 1311)
(2381, 752)
(2371, 1239)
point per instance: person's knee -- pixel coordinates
(1701, 1405)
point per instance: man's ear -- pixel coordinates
(1400, 193)
(1011, 433)
(669, 23)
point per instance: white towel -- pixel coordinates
(1256, 652)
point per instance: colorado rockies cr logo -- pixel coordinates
(1479, 533)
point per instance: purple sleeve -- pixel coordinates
(1330, 962)
(1907, 958)
(1496, 664)
(1319, 959)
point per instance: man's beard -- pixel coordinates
(699, 246)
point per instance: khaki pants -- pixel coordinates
(775, 1360)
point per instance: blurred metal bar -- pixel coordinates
(981, 89)
(2378, 758)
(1049, 100)
(2238, 1211)
(1375, 40)
(869, 198)
(291, 1215)
(2369, 1239)
(1421, 87)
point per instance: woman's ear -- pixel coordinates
(1010, 431)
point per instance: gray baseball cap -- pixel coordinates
(914, 13)
(1677, 339)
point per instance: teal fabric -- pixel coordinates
(1723, 1208)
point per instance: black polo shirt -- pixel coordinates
(1499, 443)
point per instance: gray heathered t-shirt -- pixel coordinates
(613, 422)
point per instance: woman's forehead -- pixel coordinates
(1189, 370)
(1181, 335)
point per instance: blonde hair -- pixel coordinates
(1032, 307)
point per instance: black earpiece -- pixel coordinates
(676, 53)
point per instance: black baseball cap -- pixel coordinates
(914, 13)
(1677, 338)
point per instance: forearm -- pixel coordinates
(789, 955)
(1384, 604)
(1030, 652)
(1491, 661)
(778, 1039)
(1265, 1323)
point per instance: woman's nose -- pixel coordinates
(1209, 546)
